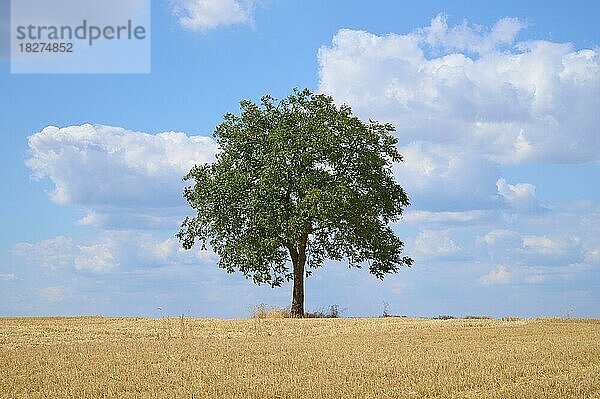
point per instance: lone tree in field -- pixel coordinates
(298, 179)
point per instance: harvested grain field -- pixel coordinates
(95, 357)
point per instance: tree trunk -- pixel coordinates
(298, 260)
(298, 293)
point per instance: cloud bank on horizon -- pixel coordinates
(466, 102)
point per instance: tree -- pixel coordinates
(302, 180)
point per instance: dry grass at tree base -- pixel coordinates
(263, 311)
(298, 358)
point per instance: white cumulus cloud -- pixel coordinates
(202, 15)
(502, 243)
(558, 249)
(119, 177)
(497, 276)
(52, 254)
(110, 251)
(463, 37)
(481, 89)
(435, 244)
(62, 253)
(520, 196)
(96, 258)
(566, 249)
(445, 217)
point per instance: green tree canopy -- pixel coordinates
(298, 180)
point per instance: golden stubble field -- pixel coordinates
(95, 357)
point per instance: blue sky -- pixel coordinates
(496, 109)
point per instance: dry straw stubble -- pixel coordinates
(290, 358)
